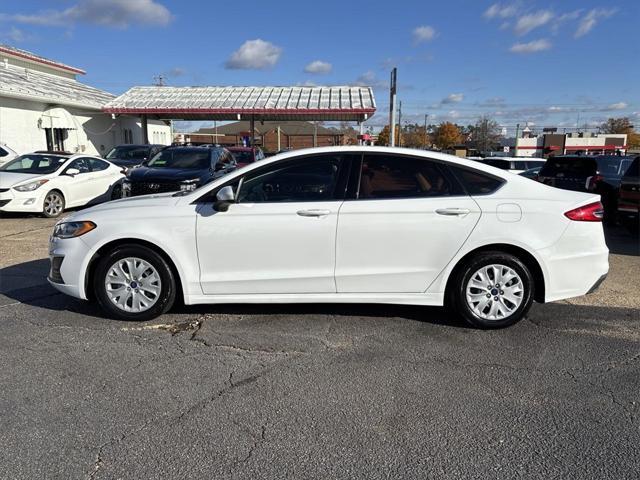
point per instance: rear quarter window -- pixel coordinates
(475, 182)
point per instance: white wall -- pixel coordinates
(95, 132)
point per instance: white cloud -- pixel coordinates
(424, 33)
(16, 35)
(500, 11)
(531, 47)
(591, 19)
(108, 13)
(453, 98)
(306, 83)
(176, 72)
(254, 55)
(618, 106)
(531, 21)
(369, 79)
(319, 67)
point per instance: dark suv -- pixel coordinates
(129, 156)
(629, 198)
(598, 174)
(178, 169)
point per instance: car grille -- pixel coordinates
(3, 203)
(145, 188)
(2, 190)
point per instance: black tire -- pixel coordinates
(457, 298)
(167, 294)
(116, 192)
(53, 196)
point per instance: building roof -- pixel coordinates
(287, 127)
(18, 82)
(227, 103)
(32, 57)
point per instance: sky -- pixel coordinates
(543, 63)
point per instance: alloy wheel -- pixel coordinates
(53, 204)
(494, 292)
(133, 284)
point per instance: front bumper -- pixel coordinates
(14, 201)
(71, 257)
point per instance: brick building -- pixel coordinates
(271, 136)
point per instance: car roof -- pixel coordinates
(241, 149)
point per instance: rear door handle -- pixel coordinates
(452, 211)
(313, 213)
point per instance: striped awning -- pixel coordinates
(240, 103)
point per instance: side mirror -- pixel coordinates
(72, 172)
(224, 198)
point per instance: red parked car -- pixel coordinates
(246, 155)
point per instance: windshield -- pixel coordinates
(243, 156)
(634, 169)
(129, 152)
(30, 163)
(197, 160)
(582, 166)
(503, 164)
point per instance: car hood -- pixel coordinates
(9, 179)
(150, 174)
(125, 205)
(128, 162)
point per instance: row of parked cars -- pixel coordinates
(614, 177)
(49, 182)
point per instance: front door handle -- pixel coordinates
(452, 211)
(313, 213)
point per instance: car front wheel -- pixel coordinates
(133, 282)
(493, 290)
(53, 204)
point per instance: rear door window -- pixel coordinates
(98, 165)
(395, 176)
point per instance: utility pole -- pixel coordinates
(426, 115)
(392, 107)
(400, 124)
(515, 149)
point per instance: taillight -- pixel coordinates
(589, 213)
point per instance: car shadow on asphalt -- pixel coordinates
(26, 283)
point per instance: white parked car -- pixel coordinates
(339, 224)
(515, 165)
(6, 154)
(48, 183)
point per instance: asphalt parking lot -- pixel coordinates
(314, 391)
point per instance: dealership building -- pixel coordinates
(44, 107)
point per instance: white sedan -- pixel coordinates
(48, 183)
(339, 224)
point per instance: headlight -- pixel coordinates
(31, 186)
(72, 229)
(189, 185)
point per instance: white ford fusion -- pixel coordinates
(48, 183)
(339, 224)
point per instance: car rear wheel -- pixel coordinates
(134, 283)
(493, 290)
(53, 204)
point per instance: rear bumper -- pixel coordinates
(577, 263)
(597, 284)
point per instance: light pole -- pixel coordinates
(426, 115)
